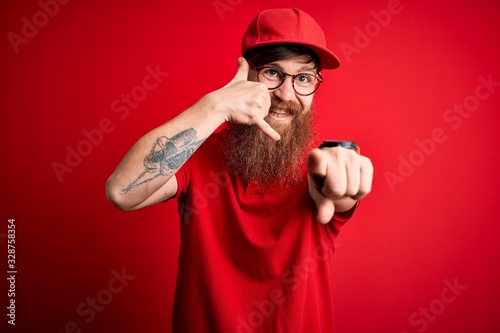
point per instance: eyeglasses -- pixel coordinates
(304, 84)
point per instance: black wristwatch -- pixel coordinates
(344, 144)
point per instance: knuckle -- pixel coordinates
(352, 190)
(341, 154)
(363, 192)
(335, 192)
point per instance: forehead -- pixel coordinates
(295, 64)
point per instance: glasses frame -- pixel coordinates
(285, 74)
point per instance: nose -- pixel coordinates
(285, 92)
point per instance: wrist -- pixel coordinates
(212, 106)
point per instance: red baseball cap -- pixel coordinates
(279, 26)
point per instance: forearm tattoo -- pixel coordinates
(166, 157)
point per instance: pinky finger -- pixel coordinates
(366, 179)
(267, 129)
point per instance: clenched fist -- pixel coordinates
(337, 177)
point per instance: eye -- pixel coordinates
(303, 78)
(271, 72)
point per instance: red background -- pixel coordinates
(394, 257)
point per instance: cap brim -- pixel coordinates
(328, 59)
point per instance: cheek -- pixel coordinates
(306, 102)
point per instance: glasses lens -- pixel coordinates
(271, 77)
(303, 83)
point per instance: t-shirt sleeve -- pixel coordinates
(183, 175)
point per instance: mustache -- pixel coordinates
(291, 107)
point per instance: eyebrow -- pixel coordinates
(302, 69)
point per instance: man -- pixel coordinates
(259, 206)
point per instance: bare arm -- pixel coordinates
(145, 175)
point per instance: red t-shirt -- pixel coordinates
(249, 261)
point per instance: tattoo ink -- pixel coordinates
(166, 156)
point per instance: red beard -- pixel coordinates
(259, 159)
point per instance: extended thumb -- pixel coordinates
(242, 72)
